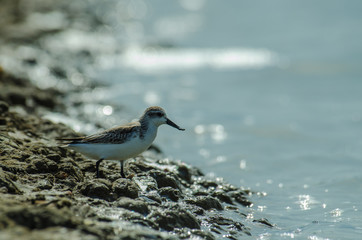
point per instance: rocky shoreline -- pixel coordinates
(48, 192)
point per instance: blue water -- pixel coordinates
(270, 93)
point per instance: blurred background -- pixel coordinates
(269, 93)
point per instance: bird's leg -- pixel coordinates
(97, 166)
(122, 173)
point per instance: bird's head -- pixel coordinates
(157, 116)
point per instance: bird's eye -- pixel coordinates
(159, 114)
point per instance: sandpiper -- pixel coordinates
(122, 142)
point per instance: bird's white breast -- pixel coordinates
(108, 151)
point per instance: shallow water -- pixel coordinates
(270, 94)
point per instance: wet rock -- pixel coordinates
(2, 121)
(233, 229)
(45, 99)
(170, 193)
(206, 183)
(71, 171)
(96, 188)
(220, 220)
(174, 217)
(184, 173)
(42, 166)
(4, 107)
(137, 166)
(54, 156)
(16, 98)
(144, 233)
(263, 221)
(240, 197)
(222, 196)
(39, 218)
(88, 166)
(205, 202)
(21, 92)
(194, 209)
(194, 234)
(145, 183)
(63, 202)
(125, 188)
(44, 184)
(154, 196)
(164, 179)
(59, 72)
(53, 233)
(13, 166)
(133, 205)
(39, 149)
(7, 185)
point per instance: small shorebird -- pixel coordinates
(122, 142)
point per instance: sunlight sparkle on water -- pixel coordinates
(205, 153)
(107, 110)
(156, 60)
(242, 164)
(199, 129)
(305, 202)
(336, 212)
(317, 238)
(215, 131)
(152, 98)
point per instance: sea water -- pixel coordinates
(270, 94)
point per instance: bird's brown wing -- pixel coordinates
(116, 135)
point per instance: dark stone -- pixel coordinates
(17, 98)
(54, 156)
(223, 197)
(4, 107)
(185, 233)
(42, 166)
(45, 100)
(154, 197)
(170, 193)
(58, 72)
(96, 188)
(138, 167)
(40, 218)
(240, 198)
(39, 149)
(133, 205)
(205, 202)
(45, 184)
(164, 180)
(184, 173)
(71, 170)
(30, 61)
(220, 220)
(123, 187)
(263, 221)
(207, 183)
(3, 121)
(176, 217)
(7, 183)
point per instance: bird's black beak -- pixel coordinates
(172, 124)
